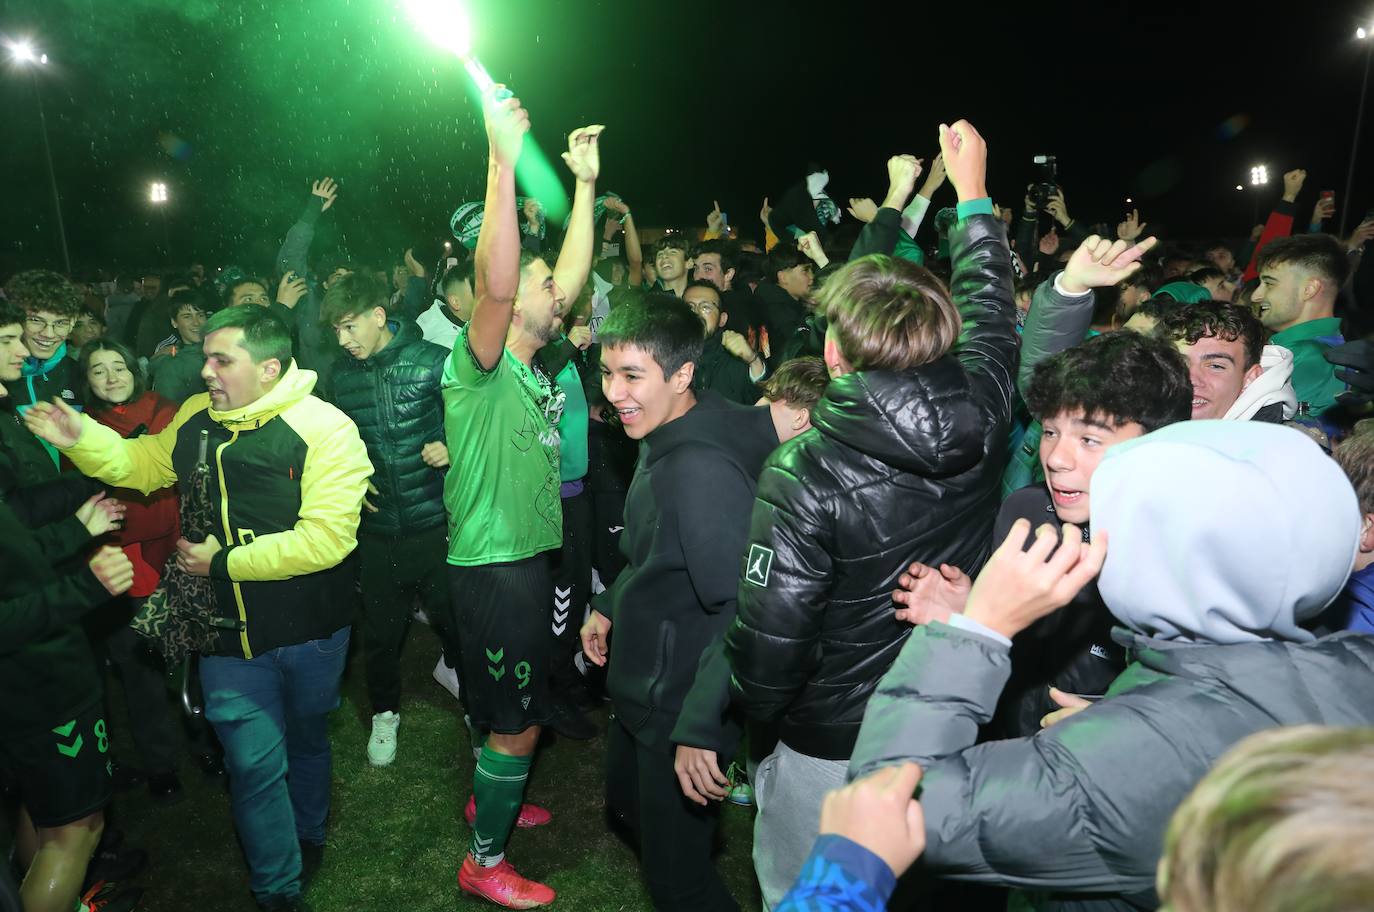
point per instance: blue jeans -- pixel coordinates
(271, 713)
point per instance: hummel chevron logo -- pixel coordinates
(494, 657)
(482, 844)
(562, 604)
(758, 565)
(65, 731)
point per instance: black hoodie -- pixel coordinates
(686, 524)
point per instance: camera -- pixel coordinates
(1046, 181)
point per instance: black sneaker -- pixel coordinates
(571, 723)
(165, 788)
(312, 856)
(114, 867)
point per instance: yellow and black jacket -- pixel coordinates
(287, 478)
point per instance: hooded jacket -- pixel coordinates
(1211, 580)
(899, 466)
(175, 371)
(287, 477)
(686, 523)
(1272, 388)
(394, 398)
(56, 378)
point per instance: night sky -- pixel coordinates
(237, 105)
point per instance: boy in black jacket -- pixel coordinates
(686, 523)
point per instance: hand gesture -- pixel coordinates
(290, 290)
(413, 266)
(595, 637)
(966, 159)
(880, 812)
(507, 124)
(584, 153)
(56, 422)
(1016, 588)
(580, 336)
(325, 189)
(737, 345)
(368, 505)
(1069, 705)
(1130, 229)
(101, 514)
(698, 772)
(1057, 209)
(113, 568)
(810, 245)
(1360, 236)
(1099, 262)
(1292, 183)
(930, 594)
(936, 178)
(1049, 242)
(195, 558)
(616, 204)
(902, 171)
(435, 455)
(715, 222)
(863, 209)
(765, 211)
(1325, 208)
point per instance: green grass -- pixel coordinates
(396, 835)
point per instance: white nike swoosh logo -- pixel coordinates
(615, 529)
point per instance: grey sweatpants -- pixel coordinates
(788, 790)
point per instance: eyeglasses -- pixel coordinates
(701, 307)
(38, 324)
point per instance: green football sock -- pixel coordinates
(498, 785)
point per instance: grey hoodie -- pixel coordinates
(1225, 530)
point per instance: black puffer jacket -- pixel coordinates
(394, 399)
(899, 467)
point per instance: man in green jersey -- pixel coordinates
(501, 414)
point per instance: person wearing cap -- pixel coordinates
(1212, 587)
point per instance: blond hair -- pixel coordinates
(1282, 823)
(888, 313)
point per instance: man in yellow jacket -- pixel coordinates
(287, 476)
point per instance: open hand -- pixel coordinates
(698, 772)
(56, 422)
(1130, 229)
(1099, 262)
(326, 190)
(931, 594)
(101, 514)
(1016, 588)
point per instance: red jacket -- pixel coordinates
(152, 523)
(1279, 224)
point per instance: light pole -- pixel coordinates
(24, 55)
(157, 195)
(1361, 35)
(1259, 176)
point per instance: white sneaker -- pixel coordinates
(381, 747)
(447, 677)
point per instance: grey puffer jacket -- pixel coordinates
(394, 399)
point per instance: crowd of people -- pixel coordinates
(1039, 560)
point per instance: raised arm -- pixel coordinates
(575, 259)
(295, 247)
(497, 274)
(634, 252)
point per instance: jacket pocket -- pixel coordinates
(663, 662)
